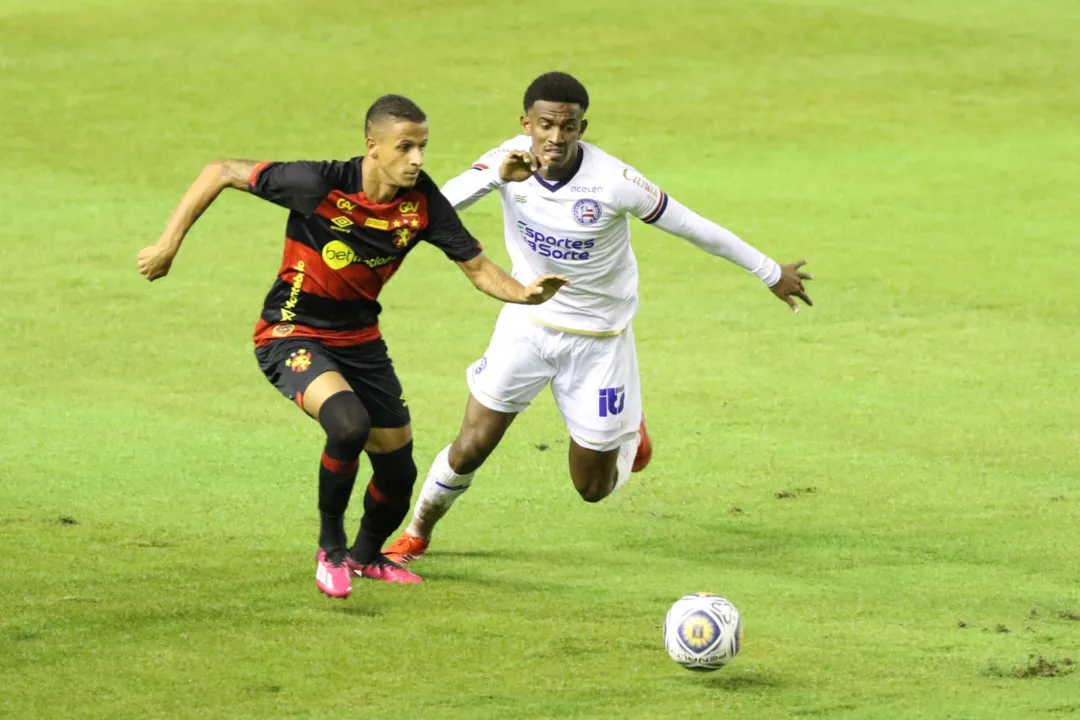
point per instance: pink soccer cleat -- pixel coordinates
(385, 570)
(332, 578)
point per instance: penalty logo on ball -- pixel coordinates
(703, 632)
(698, 632)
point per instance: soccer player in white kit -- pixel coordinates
(566, 211)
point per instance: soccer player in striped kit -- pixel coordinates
(350, 226)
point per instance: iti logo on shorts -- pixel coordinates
(480, 365)
(612, 400)
(587, 211)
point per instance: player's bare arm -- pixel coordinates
(154, 261)
(489, 278)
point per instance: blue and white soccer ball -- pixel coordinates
(703, 632)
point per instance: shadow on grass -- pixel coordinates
(491, 582)
(728, 681)
(485, 554)
(363, 611)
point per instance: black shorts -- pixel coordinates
(290, 364)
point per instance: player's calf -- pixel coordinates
(347, 426)
(481, 431)
(386, 502)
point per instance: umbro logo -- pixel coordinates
(341, 223)
(520, 198)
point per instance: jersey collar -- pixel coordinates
(555, 186)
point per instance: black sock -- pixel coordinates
(332, 537)
(336, 480)
(347, 426)
(386, 501)
(367, 547)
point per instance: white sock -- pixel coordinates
(625, 462)
(441, 488)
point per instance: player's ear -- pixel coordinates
(372, 148)
(584, 126)
(525, 124)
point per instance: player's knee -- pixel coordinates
(596, 489)
(354, 436)
(346, 422)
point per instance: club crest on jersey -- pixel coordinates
(587, 211)
(402, 236)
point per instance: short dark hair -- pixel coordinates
(557, 87)
(397, 107)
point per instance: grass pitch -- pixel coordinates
(887, 485)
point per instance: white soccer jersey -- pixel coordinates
(580, 227)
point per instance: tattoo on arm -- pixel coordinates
(236, 172)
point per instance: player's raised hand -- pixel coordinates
(518, 166)
(543, 288)
(155, 261)
(791, 286)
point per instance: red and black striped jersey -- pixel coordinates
(340, 248)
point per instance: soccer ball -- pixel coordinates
(703, 632)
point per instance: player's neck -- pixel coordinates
(377, 189)
(556, 174)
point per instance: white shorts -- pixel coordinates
(594, 379)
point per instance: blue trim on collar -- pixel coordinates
(553, 187)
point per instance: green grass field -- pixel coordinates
(157, 496)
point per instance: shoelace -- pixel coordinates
(335, 558)
(384, 561)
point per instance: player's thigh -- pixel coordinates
(598, 391)
(514, 370)
(386, 440)
(303, 371)
(370, 374)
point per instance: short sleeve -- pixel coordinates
(298, 186)
(446, 232)
(639, 197)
